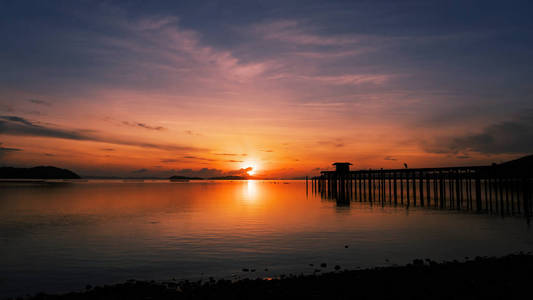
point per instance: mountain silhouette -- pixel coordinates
(229, 178)
(40, 172)
(525, 162)
(177, 177)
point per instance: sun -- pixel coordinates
(250, 164)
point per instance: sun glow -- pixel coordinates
(252, 166)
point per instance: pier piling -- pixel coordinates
(479, 189)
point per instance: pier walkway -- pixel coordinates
(496, 188)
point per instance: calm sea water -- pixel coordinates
(61, 237)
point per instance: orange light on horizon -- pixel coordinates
(250, 164)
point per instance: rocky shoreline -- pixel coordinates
(507, 277)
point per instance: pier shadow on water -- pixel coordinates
(488, 189)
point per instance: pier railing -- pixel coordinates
(482, 189)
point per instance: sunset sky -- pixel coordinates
(208, 88)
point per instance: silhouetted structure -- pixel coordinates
(342, 167)
(505, 188)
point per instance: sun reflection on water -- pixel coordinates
(251, 191)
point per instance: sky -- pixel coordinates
(213, 88)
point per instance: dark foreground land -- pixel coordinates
(508, 277)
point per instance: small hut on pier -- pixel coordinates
(342, 167)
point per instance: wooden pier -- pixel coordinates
(493, 189)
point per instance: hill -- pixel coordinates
(229, 178)
(185, 178)
(522, 162)
(522, 165)
(41, 172)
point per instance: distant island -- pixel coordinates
(229, 178)
(41, 172)
(185, 178)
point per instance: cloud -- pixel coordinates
(17, 126)
(177, 53)
(295, 32)
(208, 173)
(150, 127)
(39, 102)
(143, 170)
(513, 136)
(190, 132)
(328, 54)
(337, 144)
(143, 125)
(7, 149)
(150, 52)
(203, 173)
(240, 172)
(17, 119)
(170, 160)
(198, 158)
(231, 154)
(390, 158)
(233, 160)
(349, 79)
(107, 149)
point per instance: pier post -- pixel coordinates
(421, 187)
(442, 191)
(355, 191)
(407, 188)
(414, 187)
(486, 184)
(364, 185)
(382, 182)
(395, 188)
(378, 179)
(525, 195)
(458, 191)
(478, 190)
(491, 188)
(470, 189)
(500, 188)
(428, 189)
(360, 189)
(369, 175)
(390, 187)
(373, 176)
(401, 188)
(450, 186)
(506, 184)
